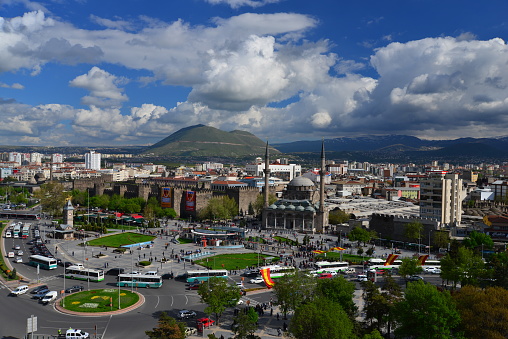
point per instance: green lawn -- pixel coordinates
(286, 240)
(117, 240)
(185, 241)
(232, 261)
(99, 300)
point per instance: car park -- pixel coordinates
(186, 314)
(257, 280)
(39, 288)
(75, 288)
(19, 290)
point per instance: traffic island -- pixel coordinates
(100, 302)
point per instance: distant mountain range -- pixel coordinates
(202, 141)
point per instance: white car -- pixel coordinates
(20, 252)
(258, 280)
(190, 331)
(18, 260)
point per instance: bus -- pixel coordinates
(17, 231)
(81, 273)
(14, 215)
(379, 264)
(139, 280)
(43, 262)
(277, 271)
(25, 232)
(203, 275)
(327, 266)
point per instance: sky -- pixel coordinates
(132, 72)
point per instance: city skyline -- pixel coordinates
(132, 73)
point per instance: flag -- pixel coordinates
(318, 251)
(265, 273)
(391, 258)
(337, 249)
(422, 259)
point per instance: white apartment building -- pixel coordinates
(15, 157)
(93, 161)
(441, 195)
(35, 158)
(56, 157)
(284, 171)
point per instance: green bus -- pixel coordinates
(43, 262)
(81, 273)
(139, 280)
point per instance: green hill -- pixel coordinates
(201, 140)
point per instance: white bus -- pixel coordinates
(204, 275)
(328, 267)
(17, 230)
(277, 271)
(81, 273)
(379, 264)
(42, 262)
(139, 280)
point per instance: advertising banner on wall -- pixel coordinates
(190, 201)
(167, 197)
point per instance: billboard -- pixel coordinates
(190, 201)
(167, 197)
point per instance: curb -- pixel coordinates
(60, 309)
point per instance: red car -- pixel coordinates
(204, 322)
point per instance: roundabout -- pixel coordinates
(100, 302)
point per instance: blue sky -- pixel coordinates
(130, 72)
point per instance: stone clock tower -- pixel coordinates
(68, 214)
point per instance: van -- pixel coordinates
(20, 290)
(49, 297)
(76, 334)
(10, 254)
(8, 234)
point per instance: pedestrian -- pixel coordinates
(279, 332)
(277, 316)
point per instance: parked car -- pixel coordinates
(190, 331)
(186, 314)
(203, 323)
(39, 288)
(75, 288)
(257, 280)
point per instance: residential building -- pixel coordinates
(93, 160)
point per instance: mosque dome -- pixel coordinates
(301, 182)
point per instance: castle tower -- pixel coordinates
(68, 214)
(266, 189)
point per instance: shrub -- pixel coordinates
(145, 263)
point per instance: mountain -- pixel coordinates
(202, 141)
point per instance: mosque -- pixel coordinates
(302, 206)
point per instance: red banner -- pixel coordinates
(190, 201)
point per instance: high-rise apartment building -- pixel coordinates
(93, 160)
(56, 158)
(441, 195)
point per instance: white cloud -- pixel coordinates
(103, 88)
(241, 3)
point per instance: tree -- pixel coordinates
(245, 323)
(484, 313)
(321, 318)
(426, 313)
(292, 290)
(413, 230)
(478, 241)
(441, 239)
(219, 208)
(498, 264)
(168, 328)
(52, 197)
(219, 295)
(259, 203)
(463, 266)
(338, 217)
(376, 305)
(340, 291)
(360, 234)
(409, 267)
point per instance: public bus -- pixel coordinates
(14, 215)
(203, 275)
(81, 273)
(277, 271)
(43, 262)
(16, 231)
(379, 264)
(327, 266)
(25, 232)
(139, 280)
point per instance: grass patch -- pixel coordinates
(117, 240)
(286, 240)
(236, 261)
(99, 300)
(257, 239)
(335, 256)
(185, 241)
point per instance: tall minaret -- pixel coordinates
(267, 177)
(322, 216)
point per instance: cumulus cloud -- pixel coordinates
(103, 87)
(241, 3)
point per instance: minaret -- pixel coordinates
(267, 177)
(321, 215)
